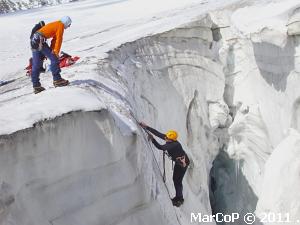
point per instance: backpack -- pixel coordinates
(36, 40)
(36, 28)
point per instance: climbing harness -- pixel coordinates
(37, 41)
(181, 161)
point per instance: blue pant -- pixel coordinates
(37, 64)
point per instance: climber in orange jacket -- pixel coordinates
(39, 46)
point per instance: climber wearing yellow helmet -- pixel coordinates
(177, 154)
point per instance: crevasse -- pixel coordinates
(233, 99)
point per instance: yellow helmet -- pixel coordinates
(172, 135)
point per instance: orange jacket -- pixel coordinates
(54, 30)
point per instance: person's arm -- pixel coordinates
(152, 130)
(155, 132)
(57, 40)
(164, 147)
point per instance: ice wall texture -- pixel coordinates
(77, 169)
(173, 79)
(262, 91)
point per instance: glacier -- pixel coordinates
(225, 75)
(7, 6)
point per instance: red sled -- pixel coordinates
(65, 60)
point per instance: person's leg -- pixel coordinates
(36, 65)
(178, 175)
(54, 67)
(42, 69)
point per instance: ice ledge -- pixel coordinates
(294, 23)
(24, 112)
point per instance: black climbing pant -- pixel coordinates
(178, 175)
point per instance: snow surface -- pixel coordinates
(273, 15)
(270, 18)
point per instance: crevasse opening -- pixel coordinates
(217, 86)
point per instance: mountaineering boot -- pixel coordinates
(38, 89)
(177, 201)
(174, 199)
(60, 83)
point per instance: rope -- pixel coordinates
(157, 164)
(150, 146)
(164, 167)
